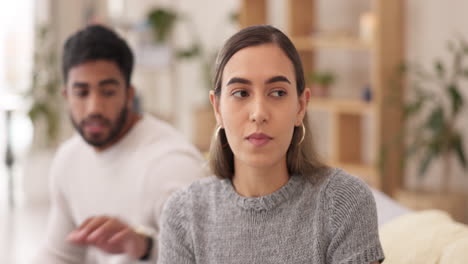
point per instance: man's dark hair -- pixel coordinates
(97, 42)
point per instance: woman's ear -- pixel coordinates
(214, 100)
(303, 103)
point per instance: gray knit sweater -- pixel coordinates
(331, 221)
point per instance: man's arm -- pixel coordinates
(55, 248)
(110, 235)
(173, 172)
(163, 176)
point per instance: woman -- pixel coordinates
(272, 201)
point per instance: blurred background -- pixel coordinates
(389, 84)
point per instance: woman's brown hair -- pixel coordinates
(301, 157)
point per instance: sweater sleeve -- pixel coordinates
(55, 248)
(353, 222)
(175, 242)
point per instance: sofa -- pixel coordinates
(426, 237)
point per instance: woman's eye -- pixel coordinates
(240, 93)
(278, 93)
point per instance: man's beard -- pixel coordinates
(115, 128)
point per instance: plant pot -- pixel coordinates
(204, 126)
(453, 203)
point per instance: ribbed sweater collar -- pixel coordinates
(267, 202)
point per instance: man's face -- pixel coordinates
(98, 101)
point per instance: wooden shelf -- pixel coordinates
(309, 43)
(368, 173)
(341, 105)
(347, 126)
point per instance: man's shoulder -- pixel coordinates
(71, 146)
(65, 159)
(158, 128)
(161, 139)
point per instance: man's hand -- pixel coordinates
(111, 235)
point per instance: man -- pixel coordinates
(112, 178)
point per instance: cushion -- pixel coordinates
(424, 237)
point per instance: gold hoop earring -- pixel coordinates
(216, 135)
(303, 134)
(218, 129)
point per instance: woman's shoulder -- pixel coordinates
(196, 193)
(340, 191)
(339, 182)
(346, 194)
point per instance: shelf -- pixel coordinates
(347, 121)
(341, 105)
(341, 42)
(365, 172)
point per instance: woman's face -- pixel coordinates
(259, 105)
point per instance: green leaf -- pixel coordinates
(458, 144)
(440, 69)
(464, 46)
(426, 161)
(162, 21)
(193, 51)
(455, 98)
(234, 17)
(413, 108)
(435, 145)
(435, 121)
(413, 148)
(37, 110)
(402, 68)
(51, 87)
(52, 124)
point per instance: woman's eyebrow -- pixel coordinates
(274, 79)
(278, 78)
(238, 80)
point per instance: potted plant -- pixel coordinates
(162, 22)
(45, 112)
(45, 91)
(321, 82)
(432, 114)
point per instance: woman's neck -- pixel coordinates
(255, 182)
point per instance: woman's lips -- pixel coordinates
(259, 139)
